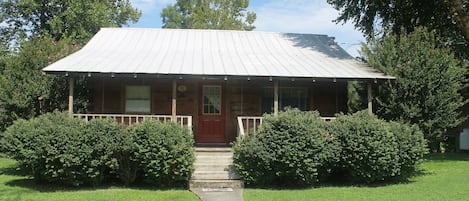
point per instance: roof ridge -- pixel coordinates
(207, 30)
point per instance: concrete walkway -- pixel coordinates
(219, 194)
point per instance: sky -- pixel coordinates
(287, 16)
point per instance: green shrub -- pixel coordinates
(49, 148)
(412, 146)
(58, 149)
(292, 148)
(369, 148)
(164, 152)
(110, 146)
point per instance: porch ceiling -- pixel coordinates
(214, 53)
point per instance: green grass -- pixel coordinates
(443, 177)
(19, 188)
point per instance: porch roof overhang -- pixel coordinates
(191, 52)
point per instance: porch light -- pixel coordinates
(135, 75)
(182, 88)
(112, 75)
(89, 74)
(376, 81)
(293, 79)
(66, 74)
(180, 77)
(270, 79)
(225, 78)
(314, 80)
(249, 79)
(334, 80)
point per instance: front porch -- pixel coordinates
(216, 109)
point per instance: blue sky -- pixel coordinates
(290, 16)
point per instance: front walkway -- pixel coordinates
(214, 177)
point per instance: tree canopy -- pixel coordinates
(381, 17)
(426, 91)
(391, 15)
(209, 14)
(62, 18)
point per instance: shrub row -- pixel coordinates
(58, 149)
(298, 148)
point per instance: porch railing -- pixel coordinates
(129, 119)
(248, 125)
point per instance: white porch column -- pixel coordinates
(173, 105)
(370, 99)
(71, 83)
(276, 97)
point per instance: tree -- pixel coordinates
(43, 31)
(209, 14)
(63, 18)
(449, 17)
(26, 90)
(426, 91)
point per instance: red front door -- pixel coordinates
(212, 117)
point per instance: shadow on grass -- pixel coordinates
(27, 182)
(337, 180)
(440, 157)
(49, 187)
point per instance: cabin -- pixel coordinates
(219, 83)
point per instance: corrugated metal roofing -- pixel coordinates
(213, 52)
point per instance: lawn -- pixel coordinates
(19, 188)
(443, 177)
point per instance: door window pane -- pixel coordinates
(211, 100)
(137, 99)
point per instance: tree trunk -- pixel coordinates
(461, 16)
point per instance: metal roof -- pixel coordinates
(213, 52)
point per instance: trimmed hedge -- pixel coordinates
(48, 148)
(298, 148)
(369, 149)
(58, 149)
(412, 146)
(375, 150)
(109, 142)
(290, 149)
(164, 152)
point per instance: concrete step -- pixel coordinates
(215, 184)
(212, 155)
(214, 175)
(214, 160)
(213, 149)
(213, 167)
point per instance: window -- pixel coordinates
(287, 97)
(137, 99)
(212, 100)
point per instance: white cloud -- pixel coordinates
(305, 16)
